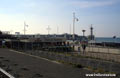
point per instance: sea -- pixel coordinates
(107, 39)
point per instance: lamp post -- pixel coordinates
(83, 32)
(48, 29)
(74, 20)
(83, 42)
(25, 25)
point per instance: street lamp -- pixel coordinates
(83, 32)
(83, 41)
(25, 25)
(48, 29)
(74, 20)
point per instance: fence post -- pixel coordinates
(18, 45)
(108, 49)
(98, 49)
(108, 54)
(11, 44)
(89, 49)
(25, 46)
(38, 46)
(92, 48)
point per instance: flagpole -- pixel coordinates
(70, 29)
(24, 28)
(74, 26)
(57, 30)
(48, 29)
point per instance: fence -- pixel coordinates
(103, 49)
(93, 56)
(105, 53)
(96, 52)
(78, 60)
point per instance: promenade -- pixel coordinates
(26, 66)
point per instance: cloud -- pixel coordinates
(29, 4)
(90, 4)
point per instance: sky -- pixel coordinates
(58, 14)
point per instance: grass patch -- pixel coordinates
(100, 70)
(74, 65)
(90, 68)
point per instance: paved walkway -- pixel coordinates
(25, 66)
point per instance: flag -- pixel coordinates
(77, 19)
(25, 24)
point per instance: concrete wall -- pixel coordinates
(87, 62)
(103, 50)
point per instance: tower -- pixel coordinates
(91, 33)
